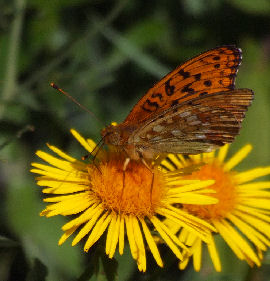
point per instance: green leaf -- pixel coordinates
(126, 265)
(38, 235)
(110, 267)
(132, 51)
(38, 272)
(251, 6)
(92, 267)
(7, 243)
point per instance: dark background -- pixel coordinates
(106, 54)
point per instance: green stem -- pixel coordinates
(11, 68)
(113, 14)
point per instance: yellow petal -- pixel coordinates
(97, 231)
(166, 238)
(115, 237)
(189, 187)
(109, 233)
(61, 153)
(208, 157)
(183, 264)
(121, 236)
(254, 236)
(81, 140)
(65, 236)
(223, 153)
(131, 238)
(262, 226)
(227, 231)
(197, 255)
(237, 157)
(214, 254)
(139, 243)
(87, 227)
(196, 158)
(84, 217)
(151, 243)
(254, 186)
(252, 174)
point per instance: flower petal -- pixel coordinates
(97, 231)
(222, 153)
(251, 174)
(82, 140)
(167, 238)
(237, 157)
(151, 243)
(214, 254)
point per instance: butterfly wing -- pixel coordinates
(210, 72)
(198, 125)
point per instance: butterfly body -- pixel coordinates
(193, 109)
(119, 136)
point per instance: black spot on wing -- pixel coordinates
(168, 88)
(203, 94)
(157, 95)
(183, 73)
(150, 106)
(188, 89)
(207, 83)
(197, 76)
(232, 76)
(174, 102)
(146, 109)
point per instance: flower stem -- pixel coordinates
(11, 68)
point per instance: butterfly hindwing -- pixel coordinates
(198, 125)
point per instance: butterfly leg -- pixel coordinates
(124, 175)
(151, 171)
(93, 161)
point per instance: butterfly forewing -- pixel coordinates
(210, 72)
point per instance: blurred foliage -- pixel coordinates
(107, 54)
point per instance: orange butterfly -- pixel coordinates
(193, 109)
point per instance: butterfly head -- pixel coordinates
(111, 135)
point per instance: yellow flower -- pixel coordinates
(132, 203)
(242, 215)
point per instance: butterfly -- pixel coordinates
(193, 109)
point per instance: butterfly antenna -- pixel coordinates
(53, 85)
(97, 147)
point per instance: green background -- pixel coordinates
(106, 54)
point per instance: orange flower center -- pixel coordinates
(137, 190)
(225, 191)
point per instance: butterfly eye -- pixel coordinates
(111, 135)
(114, 138)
